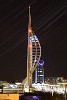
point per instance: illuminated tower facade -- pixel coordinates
(39, 72)
(33, 52)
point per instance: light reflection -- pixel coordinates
(35, 97)
(32, 98)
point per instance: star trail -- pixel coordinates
(49, 23)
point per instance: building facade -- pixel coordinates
(39, 72)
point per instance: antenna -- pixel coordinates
(29, 18)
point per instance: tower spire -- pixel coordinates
(29, 17)
(29, 25)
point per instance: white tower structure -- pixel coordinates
(33, 53)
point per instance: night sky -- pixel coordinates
(49, 23)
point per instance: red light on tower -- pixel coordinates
(30, 30)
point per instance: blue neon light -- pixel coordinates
(41, 63)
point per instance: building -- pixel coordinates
(7, 96)
(39, 72)
(53, 80)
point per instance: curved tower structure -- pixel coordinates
(33, 52)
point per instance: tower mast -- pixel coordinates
(29, 24)
(33, 52)
(29, 54)
(29, 17)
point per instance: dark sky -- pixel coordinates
(49, 23)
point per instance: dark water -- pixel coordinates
(32, 98)
(43, 97)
